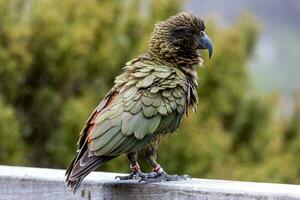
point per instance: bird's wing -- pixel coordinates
(148, 99)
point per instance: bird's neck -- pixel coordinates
(175, 56)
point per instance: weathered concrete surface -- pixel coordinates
(48, 184)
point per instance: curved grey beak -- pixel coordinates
(206, 42)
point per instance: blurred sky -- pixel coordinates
(275, 65)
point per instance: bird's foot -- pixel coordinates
(161, 175)
(135, 174)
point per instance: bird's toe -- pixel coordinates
(135, 176)
(163, 176)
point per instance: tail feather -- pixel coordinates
(85, 161)
(81, 167)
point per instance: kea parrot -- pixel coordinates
(146, 103)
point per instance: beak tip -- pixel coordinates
(210, 52)
(209, 47)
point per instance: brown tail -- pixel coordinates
(81, 166)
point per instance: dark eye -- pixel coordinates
(188, 32)
(202, 33)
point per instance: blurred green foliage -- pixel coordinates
(59, 58)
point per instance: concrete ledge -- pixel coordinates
(48, 184)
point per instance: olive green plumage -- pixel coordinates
(147, 95)
(147, 101)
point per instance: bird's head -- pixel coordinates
(178, 39)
